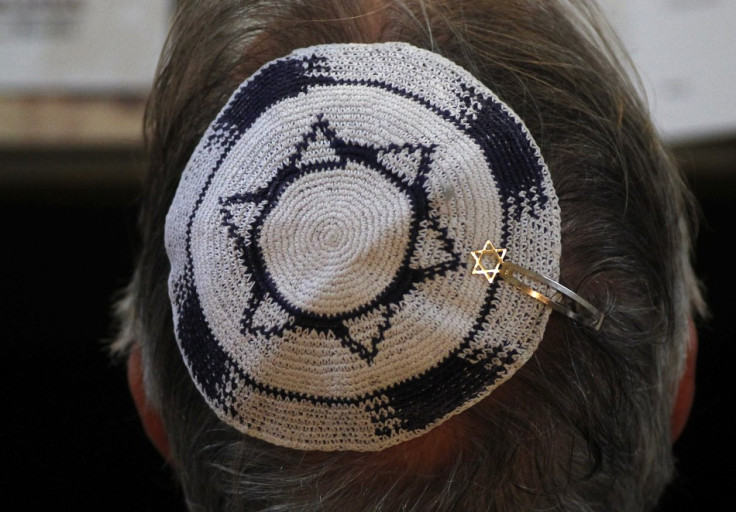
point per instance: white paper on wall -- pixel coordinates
(685, 52)
(80, 45)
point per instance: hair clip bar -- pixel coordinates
(508, 270)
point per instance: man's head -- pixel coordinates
(586, 423)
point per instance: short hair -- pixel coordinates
(585, 424)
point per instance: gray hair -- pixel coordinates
(585, 424)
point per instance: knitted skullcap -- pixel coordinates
(320, 239)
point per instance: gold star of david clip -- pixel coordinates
(490, 263)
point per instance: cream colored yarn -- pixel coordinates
(320, 246)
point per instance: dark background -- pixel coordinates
(69, 435)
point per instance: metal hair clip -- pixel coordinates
(588, 315)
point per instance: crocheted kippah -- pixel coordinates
(320, 245)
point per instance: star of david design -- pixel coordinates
(496, 255)
(429, 254)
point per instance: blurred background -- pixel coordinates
(74, 75)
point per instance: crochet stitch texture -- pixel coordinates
(320, 244)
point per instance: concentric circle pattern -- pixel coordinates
(321, 280)
(329, 258)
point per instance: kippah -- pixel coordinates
(321, 244)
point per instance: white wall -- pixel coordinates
(685, 51)
(80, 45)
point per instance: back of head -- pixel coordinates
(585, 424)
